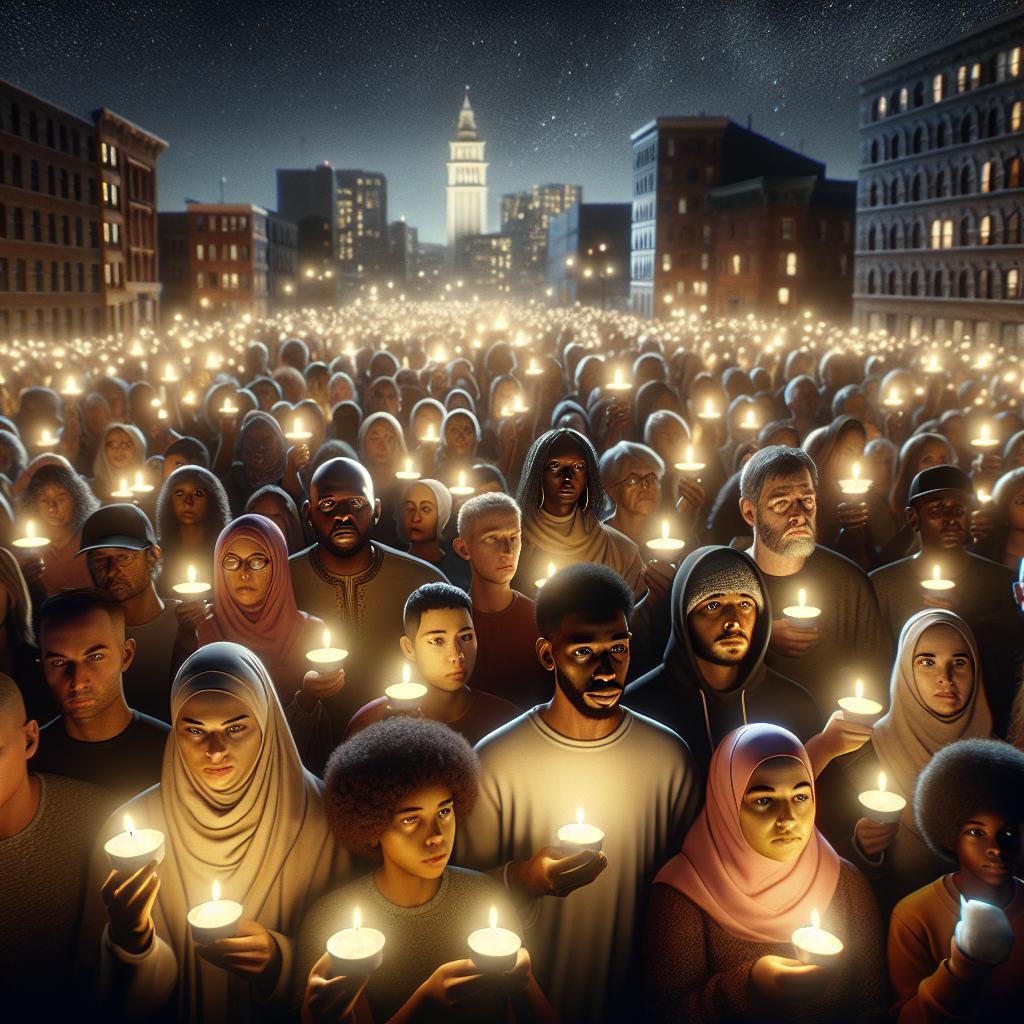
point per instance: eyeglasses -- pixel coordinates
(648, 482)
(254, 563)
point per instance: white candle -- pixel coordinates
(665, 542)
(709, 412)
(551, 572)
(189, 398)
(894, 399)
(297, 433)
(802, 614)
(749, 423)
(880, 804)
(533, 370)
(170, 374)
(578, 836)
(854, 484)
(327, 658)
(814, 945)
(191, 587)
(933, 365)
(228, 408)
(984, 440)
(406, 696)
(430, 437)
(619, 382)
(462, 489)
(936, 582)
(134, 847)
(688, 465)
(31, 540)
(46, 440)
(408, 473)
(217, 919)
(983, 496)
(140, 486)
(356, 951)
(124, 491)
(494, 950)
(71, 388)
(859, 708)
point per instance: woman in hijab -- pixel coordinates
(237, 808)
(460, 436)
(346, 417)
(382, 451)
(753, 869)
(936, 696)
(254, 605)
(423, 512)
(121, 454)
(261, 459)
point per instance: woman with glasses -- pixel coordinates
(254, 605)
(120, 455)
(631, 475)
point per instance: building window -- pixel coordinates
(787, 228)
(938, 88)
(975, 76)
(682, 205)
(666, 261)
(1012, 282)
(985, 230)
(961, 78)
(199, 251)
(936, 234)
(213, 251)
(234, 252)
(783, 296)
(986, 176)
(947, 234)
(843, 264)
(904, 98)
(705, 261)
(1013, 173)
(882, 106)
(735, 263)
(790, 264)
(700, 288)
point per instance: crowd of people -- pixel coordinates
(718, 631)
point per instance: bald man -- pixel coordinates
(48, 826)
(357, 585)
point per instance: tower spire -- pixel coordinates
(466, 129)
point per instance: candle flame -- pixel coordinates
(664, 529)
(689, 454)
(297, 426)
(709, 407)
(802, 598)
(462, 479)
(551, 569)
(406, 673)
(618, 377)
(936, 572)
(881, 781)
(124, 484)
(129, 825)
(327, 638)
(138, 478)
(815, 918)
(858, 689)
(30, 529)
(408, 465)
(216, 891)
(191, 574)
(357, 919)
(856, 471)
(579, 815)
(493, 917)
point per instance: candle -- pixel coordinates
(297, 433)
(46, 440)
(854, 484)
(688, 465)
(217, 919)
(802, 613)
(983, 496)
(984, 439)
(228, 408)
(191, 587)
(123, 491)
(462, 489)
(134, 847)
(356, 951)
(493, 949)
(881, 805)
(533, 370)
(518, 407)
(578, 836)
(859, 708)
(932, 365)
(551, 572)
(327, 658)
(619, 382)
(189, 398)
(894, 399)
(748, 422)
(665, 542)
(408, 473)
(31, 539)
(814, 945)
(709, 412)
(140, 486)
(430, 437)
(405, 697)
(937, 582)
(170, 375)
(71, 388)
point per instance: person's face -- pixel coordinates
(248, 573)
(777, 809)
(97, 416)
(589, 655)
(804, 399)
(1015, 510)
(459, 436)
(784, 518)
(428, 417)
(419, 839)
(83, 661)
(988, 848)
(493, 546)
(721, 627)
(120, 448)
(342, 514)
(941, 520)
(55, 506)
(339, 391)
(564, 479)
(932, 453)
(419, 514)
(122, 573)
(384, 399)
(668, 439)
(19, 740)
(266, 394)
(637, 489)
(943, 669)
(190, 502)
(219, 739)
(171, 463)
(380, 444)
(444, 648)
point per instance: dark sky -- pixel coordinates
(239, 89)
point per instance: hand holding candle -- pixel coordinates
(689, 465)
(802, 615)
(217, 919)
(134, 848)
(327, 658)
(494, 950)
(192, 587)
(298, 433)
(579, 836)
(814, 945)
(665, 542)
(31, 540)
(881, 805)
(356, 951)
(405, 698)
(854, 484)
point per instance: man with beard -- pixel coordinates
(355, 584)
(939, 504)
(848, 641)
(582, 753)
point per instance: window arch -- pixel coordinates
(1011, 232)
(1012, 173)
(938, 88)
(992, 126)
(983, 288)
(940, 135)
(916, 189)
(873, 154)
(1016, 116)
(939, 188)
(1012, 283)
(937, 285)
(987, 184)
(890, 287)
(917, 140)
(872, 282)
(964, 233)
(915, 235)
(894, 238)
(873, 194)
(965, 184)
(872, 238)
(985, 234)
(967, 127)
(919, 94)
(915, 284)
(880, 107)
(894, 147)
(963, 285)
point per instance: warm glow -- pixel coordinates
(406, 673)
(191, 574)
(327, 638)
(858, 689)
(936, 572)
(881, 781)
(357, 919)
(579, 815)
(664, 529)
(129, 825)
(802, 598)
(815, 918)
(216, 891)
(493, 917)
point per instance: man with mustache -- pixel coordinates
(357, 585)
(581, 753)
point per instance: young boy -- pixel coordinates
(969, 806)
(440, 640)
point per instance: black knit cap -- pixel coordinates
(939, 478)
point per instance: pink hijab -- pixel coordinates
(279, 634)
(751, 896)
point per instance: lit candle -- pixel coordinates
(894, 399)
(551, 572)
(577, 835)
(688, 465)
(462, 489)
(46, 440)
(71, 388)
(124, 491)
(327, 658)
(748, 422)
(140, 486)
(665, 542)
(518, 407)
(880, 804)
(709, 411)
(932, 365)
(134, 847)
(936, 582)
(356, 951)
(217, 919)
(189, 398)
(494, 950)
(170, 374)
(405, 697)
(430, 437)
(860, 709)
(984, 440)
(191, 587)
(814, 945)
(854, 484)
(31, 540)
(297, 433)
(228, 408)
(533, 370)
(408, 473)
(619, 382)
(983, 496)
(802, 613)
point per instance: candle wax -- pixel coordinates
(882, 806)
(130, 850)
(356, 951)
(494, 950)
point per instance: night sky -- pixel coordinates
(241, 89)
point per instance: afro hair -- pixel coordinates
(370, 775)
(965, 778)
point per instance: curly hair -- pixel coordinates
(168, 529)
(84, 500)
(965, 778)
(370, 775)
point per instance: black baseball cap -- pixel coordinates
(939, 478)
(117, 526)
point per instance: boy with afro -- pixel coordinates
(393, 794)
(969, 807)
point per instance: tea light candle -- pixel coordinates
(228, 408)
(189, 398)
(327, 658)
(217, 919)
(191, 587)
(578, 836)
(408, 473)
(802, 613)
(881, 805)
(984, 440)
(31, 540)
(551, 572)
(688, 465)
(619, 382)
(932, 365)
(854, 484)
(124, 491)
(894, 400)
(71, 388)
(170, 375)
(533, 370)
(517, 406)
(46, 440)
(860, 709)
(462, 489)
(494, 950)
(814, 945)
(297, 433)
(936, 582)
(748, 422)
(356, 951)
(983, 496)
(430, 437)
(709, 411)
(665, 542)
(134, 848)
(140, 486)
(405, 697)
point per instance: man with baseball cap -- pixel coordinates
(939, 506)
(124, 562)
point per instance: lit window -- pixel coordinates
(106, 192)
(986, 176)
(234, 252)
(735, 263)
(682, 205)
(213, 252)
(936, 234)
(790, 264)
(938, 88)
(666, 262)
(783, 296)
(882, 105)
(700, 287)
(199, 251)
(1016, 116)
(1015, 61)
(961, 78)
(106, 232)
(103, 152)
(985, 230)
(1011, 283)
(947, 234)
(705, 261)
(904, 98)
(975, 76)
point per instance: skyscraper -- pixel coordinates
(467, 182)
(525, 217)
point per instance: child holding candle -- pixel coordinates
(969, 806)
